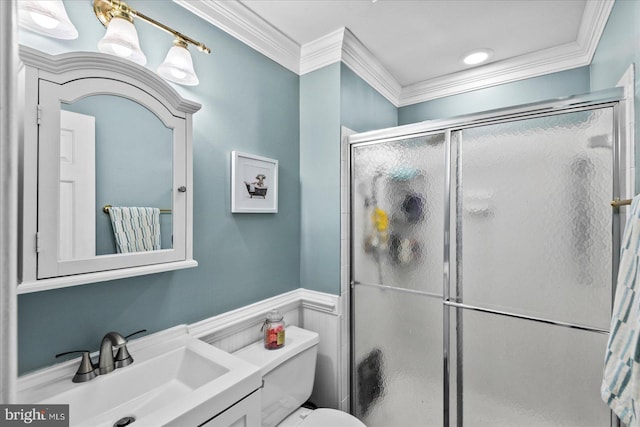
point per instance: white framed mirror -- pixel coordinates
(107, 171)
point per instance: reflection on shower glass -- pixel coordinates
(398, 358)
(535, 216)
(398, 199)
(523, 373)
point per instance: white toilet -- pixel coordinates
(288, 375)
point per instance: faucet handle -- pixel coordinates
(123, 358)
(135, 333)
(86, 370)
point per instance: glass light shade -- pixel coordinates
(178, 67)
(121, 39)
(46, 17)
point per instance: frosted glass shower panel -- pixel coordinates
(398, 358)
(398, 214)
(522, 373)
(534, 216)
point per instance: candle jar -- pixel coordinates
(273, 330)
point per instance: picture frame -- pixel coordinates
(254, 183)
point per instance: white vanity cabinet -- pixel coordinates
(246, 413)
(100, 131)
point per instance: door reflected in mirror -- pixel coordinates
(113, 151)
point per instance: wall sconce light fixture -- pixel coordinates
(121, 39)
(178, 65)
(48, 18)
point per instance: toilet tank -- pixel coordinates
(287, 372)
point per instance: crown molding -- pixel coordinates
(357, 57)
(341, 45)
(321, 52)
(242, 23)
(546, 61)
(594, 19)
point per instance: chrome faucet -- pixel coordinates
(106, 362)
(109, 342)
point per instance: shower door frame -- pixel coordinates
(611, 98)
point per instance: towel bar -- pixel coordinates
(617, 203)
(106, 208)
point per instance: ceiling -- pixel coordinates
(411, 50)
(420, 40)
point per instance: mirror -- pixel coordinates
(123, 122)
(98, 130)
(113, 152)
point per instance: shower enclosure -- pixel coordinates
(483, 259)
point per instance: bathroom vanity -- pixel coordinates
(175, 380)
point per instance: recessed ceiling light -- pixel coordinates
(477, 56)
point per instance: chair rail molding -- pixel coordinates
(234, 321)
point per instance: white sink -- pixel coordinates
(175, 380)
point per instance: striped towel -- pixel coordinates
(621, 382)
(135, 229)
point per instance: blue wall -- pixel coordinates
(250, 104)
(618, 46)
(361, 107)
(617, 50)
(320, 179)
(565, 83)
(330, 97)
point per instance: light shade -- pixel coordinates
(178, 66)
(47, 17)
(121, 39)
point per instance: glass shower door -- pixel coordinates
(512, 214)
(397, 233)
(534, 251)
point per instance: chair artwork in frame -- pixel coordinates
(254, 184)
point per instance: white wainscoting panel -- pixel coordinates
(326, 385)
(315, 311)
(238, 328)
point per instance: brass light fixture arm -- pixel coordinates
(107, 9)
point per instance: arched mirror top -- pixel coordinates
(80, 89)
(76, 65)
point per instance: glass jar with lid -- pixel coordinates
(273, 330)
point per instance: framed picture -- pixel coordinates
(254, 184)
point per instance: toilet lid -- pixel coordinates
(324, 417)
